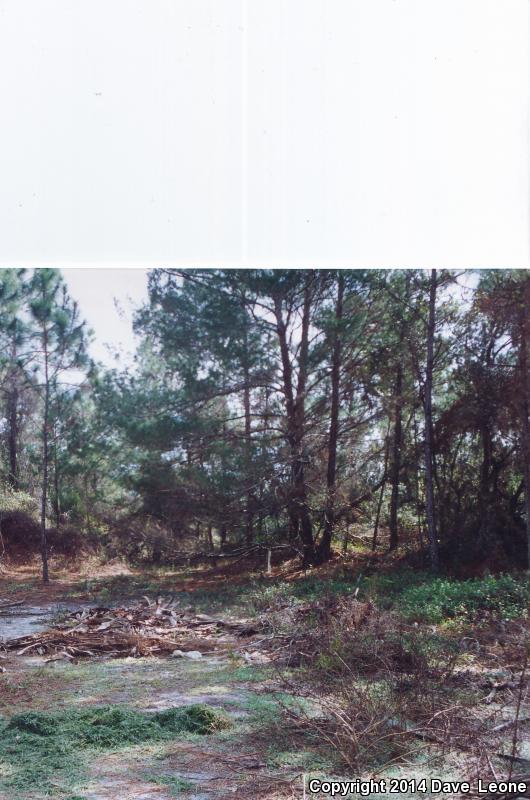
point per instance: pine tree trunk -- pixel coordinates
(427, 404)
(249, 512)
(45, 458)
(396, 457)
(56, 497)
(417, 479)
(306, 527)
(324, 549)
(524, 344)
(298, 510)
(287, 373)
(222, 537)
(484, 489)
(12, 420)
(382, 490)
(12, 436)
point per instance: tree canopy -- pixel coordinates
(304, 410)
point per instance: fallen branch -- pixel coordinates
(10, 605)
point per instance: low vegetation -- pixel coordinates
(37, 749)
(422, 597)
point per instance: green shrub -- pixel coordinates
(423, 598)
(12, 502)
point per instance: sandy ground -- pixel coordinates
(254, 759)
(229, 765)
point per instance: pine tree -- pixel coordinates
(60, 346)
(14, 362)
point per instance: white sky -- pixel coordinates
(264, 132)
(96, 291)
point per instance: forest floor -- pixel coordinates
(261, 755)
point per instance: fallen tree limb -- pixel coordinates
(10, 605)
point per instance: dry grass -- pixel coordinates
(376, 691)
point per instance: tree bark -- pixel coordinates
(427, 406)
(12, 418)
(249, 509)
(396, 457)
(12, 435)
(222, 537)
(298, 511)
(485, 479)
(287, 373)
(324, 549)
(87, 504)
(45, 458)
(417, 479)
(306, 527)
(56, 483)
(524, 365)
(381, 491)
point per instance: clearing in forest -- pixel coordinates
(249, 691)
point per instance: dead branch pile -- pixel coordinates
(145, 629)
(299, 633)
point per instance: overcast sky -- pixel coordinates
(107, 299)
(264, 132)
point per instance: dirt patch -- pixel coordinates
(24, 620)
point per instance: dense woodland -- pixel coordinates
(305, 411)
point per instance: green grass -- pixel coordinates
(45, 750)
(415, 595)
(117, 587)
(242, 673)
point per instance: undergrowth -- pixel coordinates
(416, 595)
(251, 597)
(421, 597)
(377, 686)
